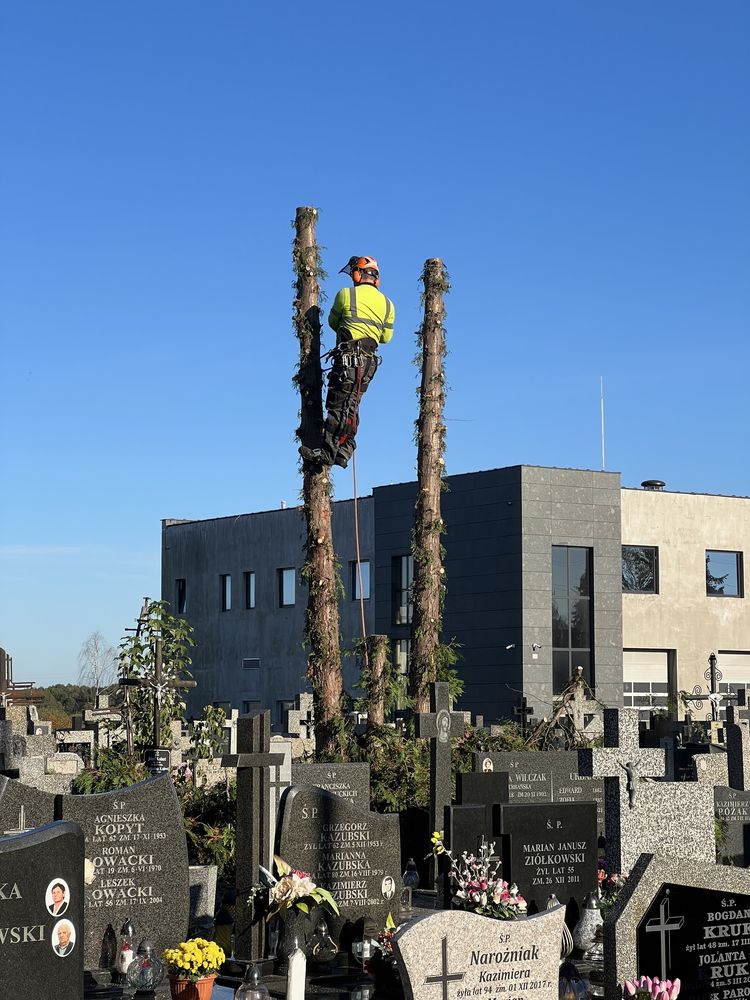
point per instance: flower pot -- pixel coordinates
(183, 989)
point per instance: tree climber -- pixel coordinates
(362, 318)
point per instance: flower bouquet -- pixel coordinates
(651, 989)
(192, 967)
(291, 890)
(609, 887)
(477, 885)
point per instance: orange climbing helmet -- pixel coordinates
(356, 267)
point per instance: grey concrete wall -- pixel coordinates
(581, 508)
(201, 551)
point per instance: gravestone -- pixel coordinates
(41, 913)
(23, 808)
(476, 817)
(348, 781)
(352, 852)
(738, 751)
(646, 815)
(733, 808)
(136, 840)
(452, 955)
(550, 848)
(674, 918)
(545, 776)
(710, 769)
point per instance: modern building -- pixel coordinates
(546, 569)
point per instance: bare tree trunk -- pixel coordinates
(322, 617)
(429, 585)
(377, 654)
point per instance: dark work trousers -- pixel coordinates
(351, 372)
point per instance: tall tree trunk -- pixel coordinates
(319, 571)
(429, 584)
(377, 655)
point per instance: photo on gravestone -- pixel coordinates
(348, 781)
(701, 936)
(452, 955)
(550, 848)
(135, 838)
(732, 810)
(41, 913)
(354, 853)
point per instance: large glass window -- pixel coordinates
(402, 576)
(402, 655)
(572, 625)
(640, 569)
(286, 588)
(364, 567)
(724, 574)
(226, 591)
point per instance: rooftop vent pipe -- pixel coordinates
(653, 484)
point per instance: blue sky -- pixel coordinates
(581, 167)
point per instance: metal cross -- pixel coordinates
(445, 977)
(663, 926)
(159, 686)
(524, 713)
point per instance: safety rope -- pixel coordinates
(356, 534)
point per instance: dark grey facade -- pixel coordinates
(508, 533)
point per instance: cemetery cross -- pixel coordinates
(158, 685)
(438, 726)
(445, 977)
(663, 926)
(254, 823)
(524, 713)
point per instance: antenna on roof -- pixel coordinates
(601, 400)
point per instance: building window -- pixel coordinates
(724, 574)
(572, 625)
(249, 581)
(226, 591)
(402, 576)
(251, 663)
(364, 567)
(282, 708)
(402, 655)
(180, 587)
(286, 588)
(250, 706)
(640, 569)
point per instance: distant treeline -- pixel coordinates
(62, 701)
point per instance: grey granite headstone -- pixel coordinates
(545, 776)
(550, 847)
(733, 807)
(646, 815)
(135, 837)
(202, 883)
(41, 913)
(348, 781)
(711, 769)
(693, 918)
(453, 955)
(352, 852)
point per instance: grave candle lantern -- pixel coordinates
(146, 971)
(126, 948)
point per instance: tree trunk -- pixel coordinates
(429, 584)
(377, 654)
(319, 571)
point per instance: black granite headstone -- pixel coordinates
(348, 781)
(22, 807)
(354, 853)
(546, 776)
(701, 936)
(733, 808)
(41, 913)
(135, 838)
(550, 848)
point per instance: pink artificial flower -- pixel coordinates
(646, 983)
(675, 990)
(631, 985)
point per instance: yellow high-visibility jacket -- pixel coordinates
(361, 312)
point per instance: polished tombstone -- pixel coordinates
(41, 913)
(23, 808)
(354, 853)
(452, 954)
(676, 918)
(135, 838)
(348, 781)
(544, 776)
(550, 848)
(732, 807)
